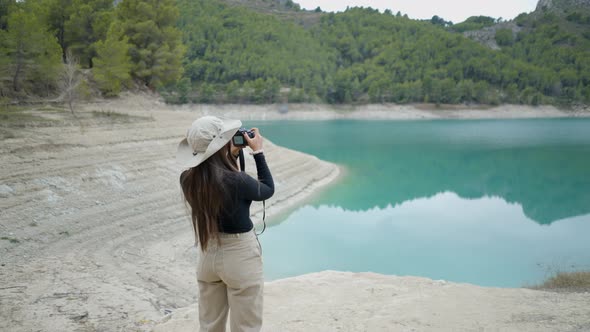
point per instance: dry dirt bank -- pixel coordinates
(343, 301)
(387, 111)
(364, 112)
(94, 234)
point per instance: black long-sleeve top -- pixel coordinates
(241, 190)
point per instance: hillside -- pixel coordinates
(555, 38)
(271, 51)
(286, 10)
(571, 16)
(366, 56)
(563, 6)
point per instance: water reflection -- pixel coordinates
(487, 241)
(550, 183)
(499, 203)
(543, 164)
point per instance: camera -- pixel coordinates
(239, 140)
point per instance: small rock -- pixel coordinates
(80, 317)
(6, 191)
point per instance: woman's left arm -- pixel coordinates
(261, 189)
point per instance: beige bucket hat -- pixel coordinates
(206, 136)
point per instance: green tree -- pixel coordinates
(296, 96)
(511, 93)
(206, 93)
(5, 8)
(112, 64)
(260, 90)
(474, 23)
(465, 89)
(436, 20)
(183, 87)
(56, 14)
(88, 23)
(30, 54)
(155, 44)
(232, 91)
(272, 90)
(504, 37)
(449, 91)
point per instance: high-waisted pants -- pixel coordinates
(231, 282)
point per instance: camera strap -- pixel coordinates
(263, 217)
(242, 161)
(243, 169)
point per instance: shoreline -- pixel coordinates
(345, 301)
(376, 112)
(150, 103)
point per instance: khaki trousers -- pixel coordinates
(231, 280)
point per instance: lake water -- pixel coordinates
(489, 202)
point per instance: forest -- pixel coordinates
(210, 51)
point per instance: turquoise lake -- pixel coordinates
(489, 202)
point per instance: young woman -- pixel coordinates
(229, 268)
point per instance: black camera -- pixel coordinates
(239, 139)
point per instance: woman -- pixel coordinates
(229, 268)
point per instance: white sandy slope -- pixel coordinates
(386, 111)
(95, 236)
(345, 301)
(101, 241)
(148, 103)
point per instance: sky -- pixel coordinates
(450, 10)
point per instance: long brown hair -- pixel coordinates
(204, 192)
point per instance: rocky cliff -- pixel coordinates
(563, 5)
(487, 36)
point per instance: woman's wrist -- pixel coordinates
(255, 152)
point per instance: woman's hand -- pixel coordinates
(254, 143)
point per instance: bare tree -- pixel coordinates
(70, 80)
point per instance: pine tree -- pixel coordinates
(5, 7)
(112, 64)
(29, 53)
(57, 13)
(155, 44)
(88, 23)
